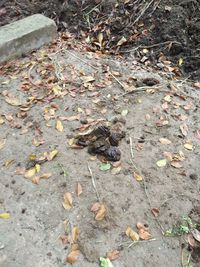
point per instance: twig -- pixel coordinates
(93, 9)
(141, 241)
(141, 89)
(122, 85)
(93, 182)
(143, 11)
(174, 197)
(131, 147)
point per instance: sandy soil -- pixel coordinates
(30, 237)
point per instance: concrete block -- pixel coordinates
(25, 35)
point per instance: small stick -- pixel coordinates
(143, 11)
(131, 147)
(141, 89)
(93, 182)
(141, 241)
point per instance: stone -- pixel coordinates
(25, 35)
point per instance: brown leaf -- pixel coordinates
(142, 226)
(197, 134)
(95, 207)
(132, 234)
(72, 118)
(67, 204)
(101, 213)
(72, 256)
(155, 212)
(64, 239)
(145, 235)
(112, 255)
(191, 241)
(79, 189)
(176, 164)
(36, 179)
(197, 85)
(196, 234)
(184, 129)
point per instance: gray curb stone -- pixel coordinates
(25, 35)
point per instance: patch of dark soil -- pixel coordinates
(167, 27)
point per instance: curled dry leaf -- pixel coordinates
(78, 189)
(196, 234)
(176, 164)
(132, 234)
(188, 146)
(142, 226)
(191, 241)
(67, 204)
(144, 235)
(184, 129)
(75, 234)
(155, 212)
(51, 155)
(95, 207)
(59, 126)
(197, 134)
(72, 256)
(36, 179)
(101, 213)
(112, 255)
(165, 141)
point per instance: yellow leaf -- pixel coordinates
(161, 162)
(30, 173)
(59, 126)
(180, 61)
(57, 90)
(165, 141)
(100, 38)
(137, 177)
(36, 179)
(101, 213)
(51, 155)
(188, 146)
(79, 189)
(75, 234)
(71, 141)
(37, 167)
(5, 215)
(67, 204)
(132, 234)
(122, 41)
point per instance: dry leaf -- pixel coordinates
(197, 85)
(100, 38)
(184, 129)
(101, 213)
(137, 177)
(112, 255)
(196, 234)
(5, 215)
(59, 126)
(51, 155)
(36, 179)
(95, 207)
(132, 234)
(30, 173)
(142, 226)
(192, 242)
(165, 141)
(116, 170)
(188, 146)
(155, 212)
(2, 143)
(12, 100)
(122, 41)
(79, 189)
(143, 234)
(72, 256)
(1, 120)
(176, 164)
(75, 234)
(67, 204)
(197, 134)
(161, 162)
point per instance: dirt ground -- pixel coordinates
(48, 98)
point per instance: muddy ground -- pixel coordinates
(37, 232)
(169, 27)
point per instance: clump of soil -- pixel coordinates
(169, 27)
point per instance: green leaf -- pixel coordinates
(105, 166)
(105, 262)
